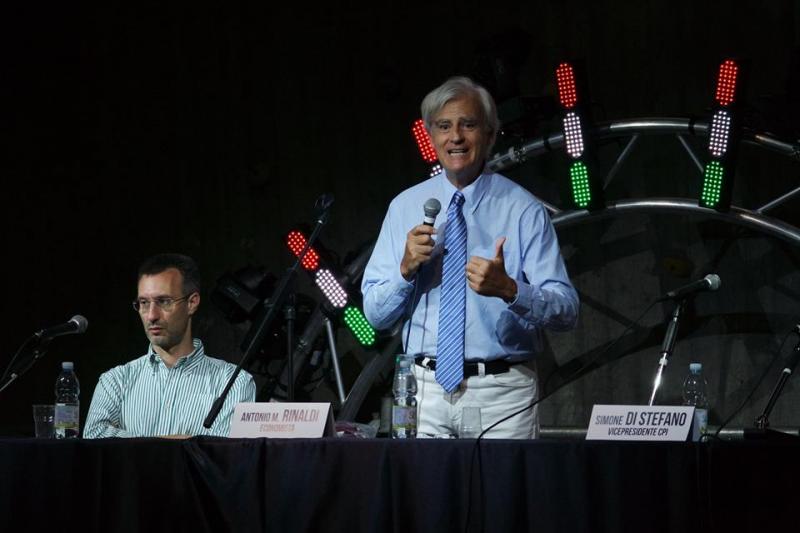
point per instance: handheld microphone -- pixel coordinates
(432, 207)
(76, 324)
(711, 282)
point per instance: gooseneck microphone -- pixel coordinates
(432, 207)
(711, 282)
(76, 324)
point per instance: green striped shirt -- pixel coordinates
(146, 398)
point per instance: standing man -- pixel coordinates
(169, 391)
(479, 287)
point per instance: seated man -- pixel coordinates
(169, 391)
(476, 291)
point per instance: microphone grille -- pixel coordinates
(81, 321)
(432, 207)
(714, 282)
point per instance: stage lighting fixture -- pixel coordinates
(296, 242)
(424, 141)
(239, 295)
(726, 82)
(334, 293)
(586, 191)
(723, 138)
(358, 324)
(567, 93)
(573, 136)
(579, 177)
(425, 145)
(720, 130)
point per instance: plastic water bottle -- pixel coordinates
(404, 405)
(694, 393)
(67, 410)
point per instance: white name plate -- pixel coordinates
(640, 422)
(281, 420)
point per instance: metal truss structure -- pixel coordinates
(757, 219)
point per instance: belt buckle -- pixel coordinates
(426, 361)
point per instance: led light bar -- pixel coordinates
(334, 292)
(581, 191)
(296, 242)
(567, 93)
(424, 141)
(720, 132)
(573, 136)
(361, 329)
(726, 82)
(436, 170)
(712, 184)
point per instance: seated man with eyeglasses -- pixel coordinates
(169, 391)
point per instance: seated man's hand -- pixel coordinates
(418, 250)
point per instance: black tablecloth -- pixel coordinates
(210, 484)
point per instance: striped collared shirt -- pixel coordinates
(146, 398)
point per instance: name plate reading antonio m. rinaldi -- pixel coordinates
(282, 420)
(640, 422)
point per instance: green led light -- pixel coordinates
(712, 184)
(579, 176)
(358, 324)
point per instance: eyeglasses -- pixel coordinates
(165, 303)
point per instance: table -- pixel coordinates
(215, 485)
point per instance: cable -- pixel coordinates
(477, 448)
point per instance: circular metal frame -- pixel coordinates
(752, 218)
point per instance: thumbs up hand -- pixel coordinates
(488, 277)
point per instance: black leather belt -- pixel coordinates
(471, 369)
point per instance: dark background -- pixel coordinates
(211, 131)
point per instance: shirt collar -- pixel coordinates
(473, 193)
(186, 361)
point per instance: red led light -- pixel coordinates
(424, 141)
(567, 93)
(296, 242)
(726, 82)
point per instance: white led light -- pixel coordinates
(334, 292)
(436, 170)
(720, 129)
(573, 135)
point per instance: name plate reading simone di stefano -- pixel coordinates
(640, 422)
(282, 420)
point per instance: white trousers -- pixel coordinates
(498, 395)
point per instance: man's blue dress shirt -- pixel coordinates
(494, 207)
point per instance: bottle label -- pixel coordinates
(404, 417)
(65, 416)
(700, 426)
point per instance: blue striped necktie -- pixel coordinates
(452, 303)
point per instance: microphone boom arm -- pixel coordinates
(275, 305)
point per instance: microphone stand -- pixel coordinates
(37, 347)
(667, 346)
(274, 306)
(762, 422)
(289, 313)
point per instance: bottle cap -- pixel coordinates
(67, 365)
(695, 368)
